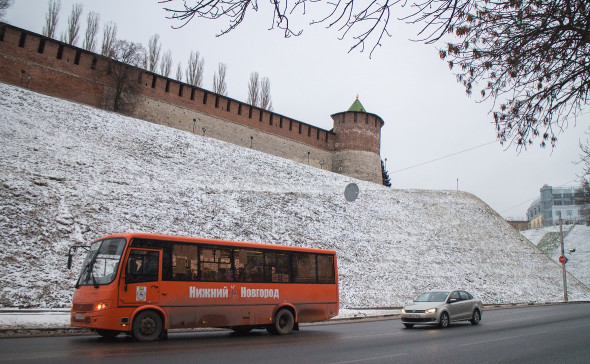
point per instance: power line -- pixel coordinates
(446, 156)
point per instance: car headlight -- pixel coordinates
(430, 311)
(403, 310)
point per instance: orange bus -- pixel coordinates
(145, 284)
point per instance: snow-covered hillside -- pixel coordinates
(575, 237)
(71, 173)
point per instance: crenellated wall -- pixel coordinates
(51, 67)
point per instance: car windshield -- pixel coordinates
(433, 297)
(101, 262)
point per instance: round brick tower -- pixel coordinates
(358, 144)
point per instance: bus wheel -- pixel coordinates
(147, 326)
(108, 334)
(284, 322)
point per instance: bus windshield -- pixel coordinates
(101, 262)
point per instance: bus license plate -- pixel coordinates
(79, 316)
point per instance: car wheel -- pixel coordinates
(147, 326)
(409, 326)
(444, 320)
(475, 318)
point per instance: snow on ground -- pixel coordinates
(575, 237)
(70, 173)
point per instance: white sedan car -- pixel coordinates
(441, 308)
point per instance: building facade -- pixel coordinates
(351, 147)
(553, 203)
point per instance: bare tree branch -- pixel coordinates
(74, 24)
(51, 18)
(91, 31)
(219, 84)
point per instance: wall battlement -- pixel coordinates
(55, 68)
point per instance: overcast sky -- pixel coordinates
(426, 112)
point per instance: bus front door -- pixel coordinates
(141, 284)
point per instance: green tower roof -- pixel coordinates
(357, 106)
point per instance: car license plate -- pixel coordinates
(79, 316)
(412, 316)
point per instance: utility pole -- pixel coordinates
(563, 272)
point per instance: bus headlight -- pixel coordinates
(101, 306)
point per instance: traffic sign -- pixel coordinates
(562, 259)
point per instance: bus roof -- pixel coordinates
(186, 239)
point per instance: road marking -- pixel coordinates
(370, 359)
(504, 338)
(369, 335)
(524, 318)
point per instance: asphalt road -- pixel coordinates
(545, 334)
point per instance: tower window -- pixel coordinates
(23, 37)
(41, 46)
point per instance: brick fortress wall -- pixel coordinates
(57, 69)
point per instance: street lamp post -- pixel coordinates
(308, 153)
(251, 140)
(194, 123)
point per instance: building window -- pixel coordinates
(2, 32)
(60, 51)
(216, 101)
(167, 86)
(239, 109)
(154, 82)
(205, 98)
(228, 104)
(193, 93)
(93, 66)
(270, 120)
(180, 90)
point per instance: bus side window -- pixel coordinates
(142, 266)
